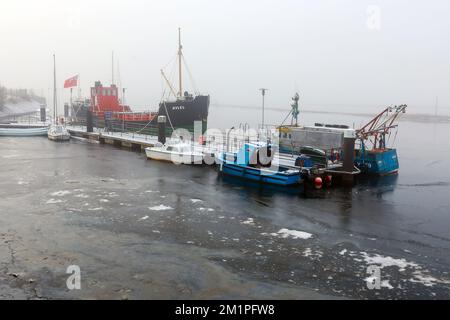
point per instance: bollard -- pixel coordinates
(89, 122)
(162, 129)
(349, 155)
(43, 113)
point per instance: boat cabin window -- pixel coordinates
(104, 92)
(169, 149)
(285, 135)
(113, 92)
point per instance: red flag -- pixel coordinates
(72, 82)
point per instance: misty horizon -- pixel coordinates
(368, 55)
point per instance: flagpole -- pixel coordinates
(71, 104)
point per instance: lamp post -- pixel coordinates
(263, 93)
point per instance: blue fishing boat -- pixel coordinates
(379, 162)
(373, 156)
(254, 162)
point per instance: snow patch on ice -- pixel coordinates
(427, 281)
(160, 207)
(386, 261)
(308, 252)
(419, 274)
(61, 193)
(249, 221)
(295, 234)
(53, 201)
(196, 200)
(95, 209)
(144, 218)
(82, 195)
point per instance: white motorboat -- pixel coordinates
(58, 132)
(181, 153)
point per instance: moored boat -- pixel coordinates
(23, 132)
(58, 132)
(254, 162)
(180, 153)
(373, 155)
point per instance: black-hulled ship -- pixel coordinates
(181, 108)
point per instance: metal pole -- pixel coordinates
(71, 102)
(54, 90)
(263, 92)
(179, 64)
(123, 109)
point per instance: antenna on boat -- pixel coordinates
(180, 93)
(55, 104)
(295, 111)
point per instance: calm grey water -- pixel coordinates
(146, 229)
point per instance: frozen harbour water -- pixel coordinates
(146, 229)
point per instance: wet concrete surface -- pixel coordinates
(141, 229)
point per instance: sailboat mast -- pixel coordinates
(112, 68)
(55, 104)
(180, 93)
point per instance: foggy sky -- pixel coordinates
(335, 53)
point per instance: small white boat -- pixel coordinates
(181, 153)
(58, 132)
(23, 132)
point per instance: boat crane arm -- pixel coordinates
(381, 123)
(168, 83)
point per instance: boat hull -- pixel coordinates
(182, 113)
(59, 138)
(23, 132)
(179, 113)
(257, 175)
(377, 162)
(174, 158)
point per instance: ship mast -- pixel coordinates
(180, 93)
(55, 105)
(112, 68)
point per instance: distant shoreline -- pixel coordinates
(414, 117)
